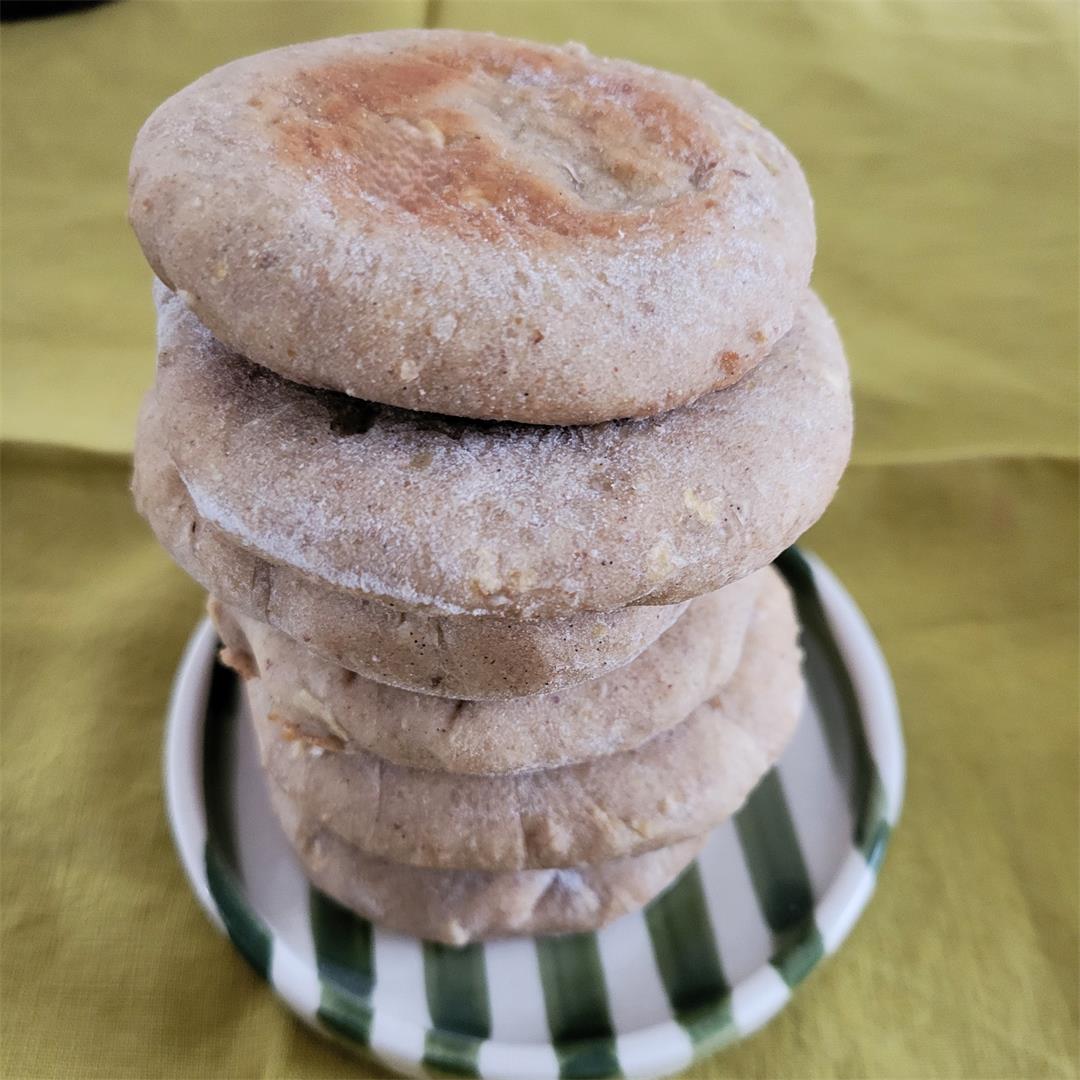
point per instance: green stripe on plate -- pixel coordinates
(873, 838)
(247, 932)
(780, 880)
(220, 855)
(346, 962)
(688, 959)
(838, 705)
(576, 1001)
(457, 995)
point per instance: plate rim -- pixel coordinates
(845, 898)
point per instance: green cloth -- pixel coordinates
(940, 140)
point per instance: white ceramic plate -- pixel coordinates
(713, 958)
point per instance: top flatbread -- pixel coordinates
(465, 224)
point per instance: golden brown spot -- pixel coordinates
(242, 662)
(293, 733)
(421, 460)
(759, 336)
(729, 362)
(434, 131)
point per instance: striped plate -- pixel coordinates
(707, 962)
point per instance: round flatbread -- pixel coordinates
(473, 657)
(459, 906)
(465, 224)
(675, 786)
(328, 705)
(462, 517)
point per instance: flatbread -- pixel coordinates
(475, 657)
(461, 517)
(459, 906)
(318, 700)
(675, 786)
(465, 224)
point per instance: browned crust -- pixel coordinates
(349, 118)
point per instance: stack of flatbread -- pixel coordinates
(489, 385)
